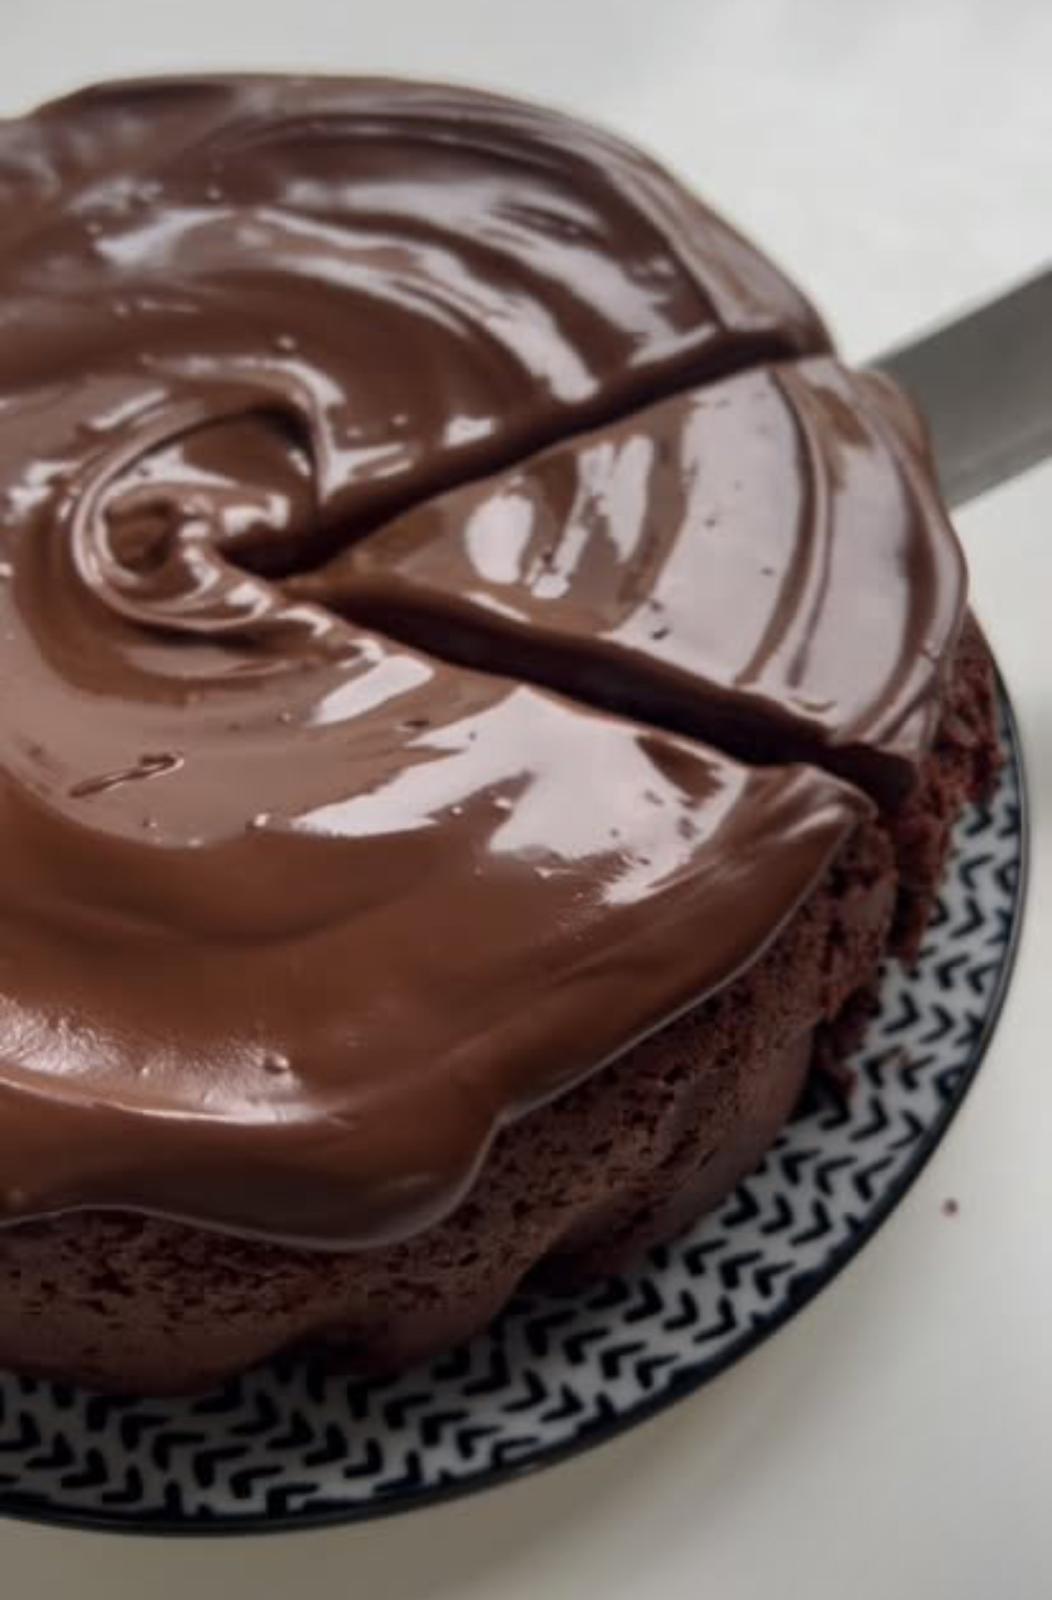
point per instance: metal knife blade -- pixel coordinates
(984, 382)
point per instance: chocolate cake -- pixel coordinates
(485, 689)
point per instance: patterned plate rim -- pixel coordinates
(26, 1507)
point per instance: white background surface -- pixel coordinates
(896, 1439)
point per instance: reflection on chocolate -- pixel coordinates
(764, 561)
(294, 915)
(423, 282)
(435, 898)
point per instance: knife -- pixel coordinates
(984, 382)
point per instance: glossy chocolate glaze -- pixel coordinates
(289, 969)
(422, 283)
(295, 916)
(764, 562)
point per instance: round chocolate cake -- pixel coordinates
(483, 689)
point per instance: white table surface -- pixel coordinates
(895, 1440)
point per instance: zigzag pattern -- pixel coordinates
(291, 1443)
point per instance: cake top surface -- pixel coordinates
(763, 561)
(423, 282)
(300, 909)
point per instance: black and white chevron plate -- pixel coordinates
(290, 1445)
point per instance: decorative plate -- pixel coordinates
(290, 1445)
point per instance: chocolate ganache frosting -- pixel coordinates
(298, 908)
(764, 562)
